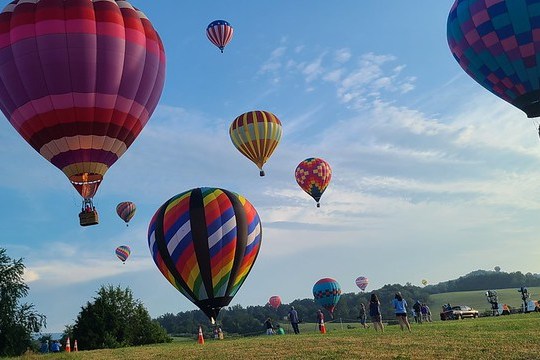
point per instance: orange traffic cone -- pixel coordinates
(68, 346)
(200, 340)
(323, 328)
(75, 348)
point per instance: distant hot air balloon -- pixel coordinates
(126, 210)
(205, 242)
(362, 282)
(219, 32)
(313, 175)
(496, 43)
(122, 252)
(274, 301)
(424, 282)
(256, 134)
(78, 81)
(327, 292)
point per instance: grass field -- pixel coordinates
(477, 299)
(504, 337)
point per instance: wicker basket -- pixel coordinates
(88, 218)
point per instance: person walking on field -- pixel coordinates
(400, 308)
(375, 312)
(293, 318)
(362, 316)
(418, 311)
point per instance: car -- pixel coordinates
(459, 312)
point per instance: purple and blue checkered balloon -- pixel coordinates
(497, 42)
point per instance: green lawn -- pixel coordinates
(504, 337)
(477, 299)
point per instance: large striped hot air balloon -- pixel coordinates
(123, 252)
(327, 293)
(126, 210)
(274, 301)
(313, 175)
(496, 43)
(256, 134)
(205, 242)
(220, 33)
(79, 79)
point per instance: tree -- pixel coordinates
(17, 321)
(115, 319)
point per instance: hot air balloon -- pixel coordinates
(496, 43)
(78, 81)
(362, 282)
(424, 282)
(313, 175)
(122, 252)
(256, 134)
(219, 32)
(327, 292)
(205, 242)
(126, 210)
(274, 301)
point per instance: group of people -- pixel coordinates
(421, 312)
(55, 346)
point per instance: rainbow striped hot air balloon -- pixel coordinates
(205, 242)
(126, 211)
(78, 81)
(123, 252)
(327, 293)
(256, 134)
(220, 33)
(313, 175)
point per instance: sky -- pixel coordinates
(433, 176)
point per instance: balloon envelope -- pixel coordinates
(313, 175)
(327, 293)
(126, 210)
(424, 282)
(79, 81)
(362, 282)
(220, 33)
(496, 43)
(256, 134)
(274, 301)
(205, 242)
(123, 252)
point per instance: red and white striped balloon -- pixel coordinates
(362, 282)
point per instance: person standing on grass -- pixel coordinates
(269, 327)
(400, 308)
(375, 312)
(293, 318)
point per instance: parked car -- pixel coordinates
(459, 312)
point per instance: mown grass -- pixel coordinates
(504, 337)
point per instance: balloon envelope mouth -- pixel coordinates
(529, 103)
(86, 184)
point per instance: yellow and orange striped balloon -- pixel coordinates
(256, 134)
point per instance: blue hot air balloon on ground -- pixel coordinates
(327, 292)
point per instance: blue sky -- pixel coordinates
(433, 177)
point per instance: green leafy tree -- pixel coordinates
(17, 320)
(115, 319)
